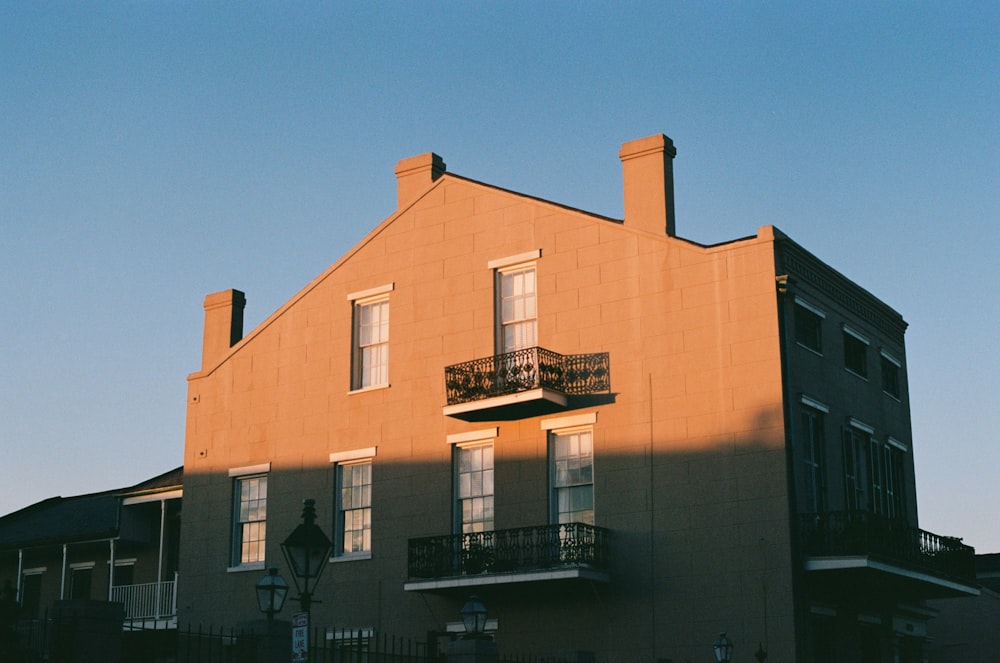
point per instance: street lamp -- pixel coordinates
(474, 617)
(723, 647)
(307, 551)
(271, 592)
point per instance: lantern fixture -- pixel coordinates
(271, 592)
(474, 617)
(307, 550)
(723, 648)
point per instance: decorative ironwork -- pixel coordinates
(524, 370)
(861, 533)
(509, 551)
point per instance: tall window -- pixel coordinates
(31, 592)
(249, 519)
(808, 326)
(855, 353)
(813, 451)
(885, 471)
(855, 464)
(572, 460)
(371, 343)
(474, 488)
(516, 309)
(354, 508)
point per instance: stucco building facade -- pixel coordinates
(623, 441)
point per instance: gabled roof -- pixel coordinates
(74, 519)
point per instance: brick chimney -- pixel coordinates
(223, 325)
(648, 173)
(415, 175)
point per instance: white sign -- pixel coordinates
(300, 637)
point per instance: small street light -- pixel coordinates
(474, 617)
(271, 592)
(723, 647)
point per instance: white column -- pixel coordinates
(111, 568)
(159, 565)
(20, 573)
(62, 578)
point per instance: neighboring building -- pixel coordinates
(623, 441)
(969, 630)
(119, 545)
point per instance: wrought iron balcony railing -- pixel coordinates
(509, 551)
(840, 533)
(524, 370)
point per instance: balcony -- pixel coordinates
(847, 551)
(154, 602)
(524, 383)
(524, 554)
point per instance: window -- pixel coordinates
(474, 488)
(353, 529)
(249, 519)
(886, 472)
(31, 592)
(516, 309)
(855, 353)
(80, 581)
(808, 326)
(855, 486)
(124, 572)
(813, 451)
(572, 461)
(371, 343)
(890, 375)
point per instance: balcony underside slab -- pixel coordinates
(544, 575)
(529, 403)
(852, 575)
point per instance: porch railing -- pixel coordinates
(509, 551)
(524, 370)
(839, 533)
(151, 600)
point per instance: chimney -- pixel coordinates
(415, 175)
(223, 325)
(648, 173)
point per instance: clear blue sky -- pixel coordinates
(152, 152)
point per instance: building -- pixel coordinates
(119, 545)
(622, 441)
(969, 629)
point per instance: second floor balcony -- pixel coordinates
(524, 382)
(523, 554)
(857, 550)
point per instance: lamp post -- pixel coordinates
(723, 648)
(271, 592)
(474, 617)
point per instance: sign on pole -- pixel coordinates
(300, 637)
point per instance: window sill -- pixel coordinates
(802, 345)
(375, 387)
(252, 566)
(353, 557)
(892, 396)
(856, 374)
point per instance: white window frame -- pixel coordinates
(341, 460)
(458, 447)
(359, 300)
(554, 488)
(818, 312)
(503, 269)
(237, 476)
